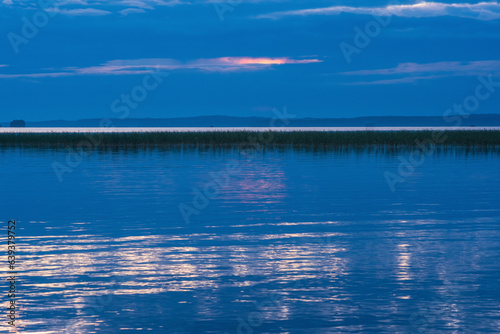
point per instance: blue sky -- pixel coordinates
(74, 59)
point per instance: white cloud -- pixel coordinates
(395, 81)
(129, 11)
(80, 11)
(88, 7)
(479, 11)
(447, 67)
(142, 66)
(412, 72)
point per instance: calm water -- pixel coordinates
(286, 242)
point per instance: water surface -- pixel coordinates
(286, 242)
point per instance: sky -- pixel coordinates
(77, 59)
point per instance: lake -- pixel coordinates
(274, 241)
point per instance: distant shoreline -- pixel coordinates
(238, 129)
(273, 119)
(466, 137)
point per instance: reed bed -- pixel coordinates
(462, 138)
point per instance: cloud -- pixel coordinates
(142, 66)
(413, 72)
(90, 7)
(149, 3)
(480, 11)
(132, 11)
(394, 81)
(71, 2)
(123, 4)
(466, 68)
(223, 64)
(80, 12)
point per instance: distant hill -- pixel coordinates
(229, 121)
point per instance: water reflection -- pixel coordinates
(296, 242)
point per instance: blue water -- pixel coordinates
(288, 241)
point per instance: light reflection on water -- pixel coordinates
(296, 242)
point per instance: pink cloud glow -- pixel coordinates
(141, 66)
